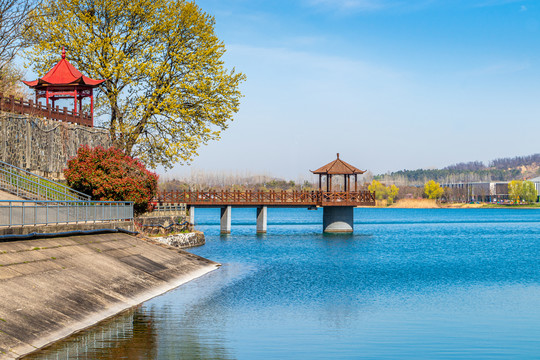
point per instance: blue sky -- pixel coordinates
(389, 84)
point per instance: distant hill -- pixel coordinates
(504, 169)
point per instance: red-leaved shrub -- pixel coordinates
(109, 174)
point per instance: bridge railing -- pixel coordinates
(28, 212)
(307, 198)
(29, 107)
(345, 198)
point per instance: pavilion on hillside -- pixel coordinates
(64, 81)
(338, 167)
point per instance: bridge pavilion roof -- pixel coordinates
(338, 167)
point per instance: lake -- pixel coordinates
(408, 284)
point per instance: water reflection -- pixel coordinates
(163, 328)
(131, 335)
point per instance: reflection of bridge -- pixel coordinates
(337, 205)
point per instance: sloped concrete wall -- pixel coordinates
(44, 146)
(50, 288)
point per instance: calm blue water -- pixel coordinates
(408, 284)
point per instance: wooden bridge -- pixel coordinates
(266, 198)
(338, 215)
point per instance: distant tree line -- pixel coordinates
(504, 169)
(507, 163)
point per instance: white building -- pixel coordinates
(536, 182)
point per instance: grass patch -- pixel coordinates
(52, 257)
(36, 248)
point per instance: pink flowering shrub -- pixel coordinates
(109, 174)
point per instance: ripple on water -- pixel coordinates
(409, 283)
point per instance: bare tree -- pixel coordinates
(13, 14)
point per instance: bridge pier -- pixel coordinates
(191, 214)
(338, 219)
(226, 219)
(262, 219)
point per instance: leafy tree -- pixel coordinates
(392, 192)
(383, 192)
(111, 175)
(433, 190)
(522, 190)
(528, 192)
(166, 92)
(378, 188)
(515, 190)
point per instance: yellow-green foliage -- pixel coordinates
(522, 190)
(167, 91)
(383, 192)
(392, 192)
(377, 188)
(515, 189)
(433, 190)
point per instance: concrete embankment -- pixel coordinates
(50, 288)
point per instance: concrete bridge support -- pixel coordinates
(226, 219)
(191, 214)
(338, 219)
(262, 219)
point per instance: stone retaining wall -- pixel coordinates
(44, 146)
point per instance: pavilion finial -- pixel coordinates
(338, 155)
(63, 53)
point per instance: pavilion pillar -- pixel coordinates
(75, 102)
(226, 213)
(262, 219)
(355, 183)
(330, 183)
(92, 106)
(348, 183)
(320, 182)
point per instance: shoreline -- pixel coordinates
(111, 313)
(51, 289)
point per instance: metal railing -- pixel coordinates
(25, 184)
(28, 212)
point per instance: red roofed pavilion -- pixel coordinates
(338, 167)
(64, 81)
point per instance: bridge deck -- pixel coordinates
(267, 198)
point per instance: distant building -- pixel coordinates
(489, 191)
(536, 182)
